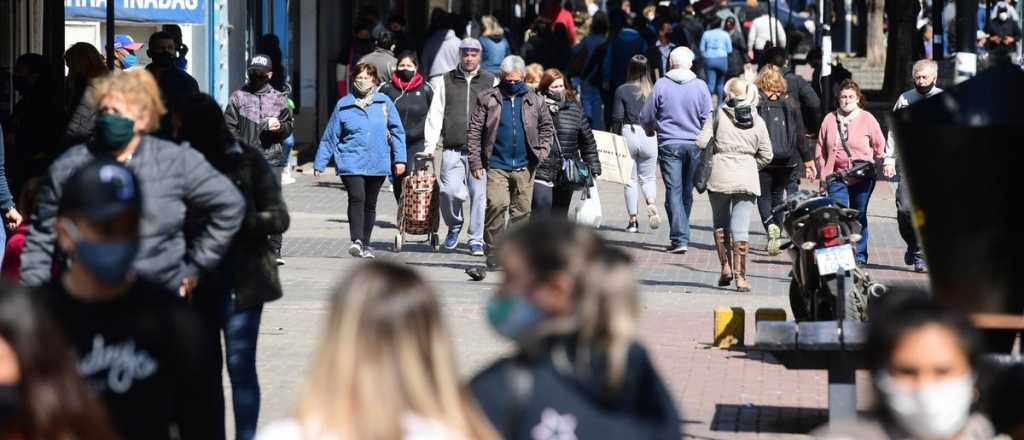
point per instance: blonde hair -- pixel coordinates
(534, 72)
(770, 79)
(385, 353)
(607, 312)
(490, 27)
(741, 90)
(137, 87)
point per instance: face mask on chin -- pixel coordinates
(931, 411)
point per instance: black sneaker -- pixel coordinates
(677, 249)
(633, 226)
(477, 273)
(492, 263)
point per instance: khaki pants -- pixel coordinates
(510, 191)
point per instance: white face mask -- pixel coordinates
(849, 107)
(932, 411)
(1003, 16)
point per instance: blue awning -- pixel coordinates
(139, 11)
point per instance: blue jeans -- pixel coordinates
(286, 148)
(241, 328)
(593, 107)
(715, 69)
(856, 196)
(678, 164)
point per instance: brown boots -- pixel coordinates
(733, 257)
(724, 257)
(739, 258)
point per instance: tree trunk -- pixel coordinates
(900, 52)
(876, 32)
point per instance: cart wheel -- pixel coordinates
(398, 243)
(435, 242)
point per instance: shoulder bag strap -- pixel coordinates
(714, 128)
(842, 139)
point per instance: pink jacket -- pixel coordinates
(866, 142)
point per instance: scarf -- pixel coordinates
(844, 123)
(413, 83)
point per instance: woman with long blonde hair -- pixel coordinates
(385, 367)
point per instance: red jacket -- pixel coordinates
(10, 270)
(563, 16)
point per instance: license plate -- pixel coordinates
(831, 259)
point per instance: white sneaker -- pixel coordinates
(367, 253)
(653, 219)
(287, 179)
(280, 261)
(356, 249)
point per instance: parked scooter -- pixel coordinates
(822, 235)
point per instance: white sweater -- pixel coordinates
(760, 33)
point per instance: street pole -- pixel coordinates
(966, 42)
(826, 55)
(848, 44)
(110, 35)
(938, 47)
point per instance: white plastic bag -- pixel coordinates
(588, 208)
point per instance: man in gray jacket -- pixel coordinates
(174, 180)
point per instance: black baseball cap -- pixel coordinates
(100, 191)
(260, 62)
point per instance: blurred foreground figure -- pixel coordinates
(924, 358)
(385, 367)
(36, 365)
(569, 302)
(139, 345)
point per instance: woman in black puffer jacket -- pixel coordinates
(573, 140)
(412, 95)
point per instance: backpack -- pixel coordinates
(783, 154)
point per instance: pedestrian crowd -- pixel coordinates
(146, 236)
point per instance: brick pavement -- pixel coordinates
(721, 393)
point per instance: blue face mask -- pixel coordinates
(128, 61)
(512, 88)
(511, 316)
(110, 262)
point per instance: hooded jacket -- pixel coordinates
(553, 393)
(740, 151)
(362, 141)
(246, 117)
(175, 179)
(574, 138)
(447, 57)
(382, 60)
(412, 105)
(677, 108)
(495, 49)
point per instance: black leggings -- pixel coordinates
(362, 205)
(551, 201)
(775, 182)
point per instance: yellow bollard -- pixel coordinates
(769, 315)
(729, 323)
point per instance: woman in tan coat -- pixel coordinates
(742, 149)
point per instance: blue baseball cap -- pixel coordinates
(122, 41)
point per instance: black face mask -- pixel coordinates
(924, 90)
(22, 84)
(162, 59)
(405, 75)
(258, 81)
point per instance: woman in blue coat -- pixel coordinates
(366, 139)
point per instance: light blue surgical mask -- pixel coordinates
(129, 61)
(513, 315)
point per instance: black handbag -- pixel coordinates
(863, 173)
(707, 156)
(575, 173)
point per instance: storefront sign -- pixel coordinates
(140, 11)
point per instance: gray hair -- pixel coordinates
(681, 58)
(926, 65)
(513, 63)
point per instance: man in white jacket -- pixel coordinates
(925, 73)
(761, 34)
(447, 122)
